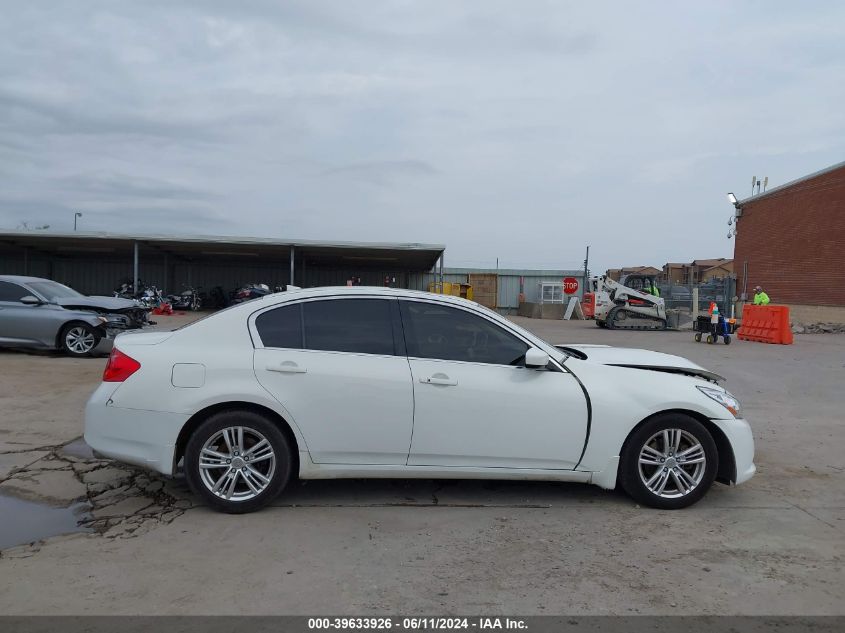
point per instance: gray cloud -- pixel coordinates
(43, 116)
(382, 172)
(514, 130)
(127, 187)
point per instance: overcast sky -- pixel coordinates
(520, 130)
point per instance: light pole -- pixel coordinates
(731, 233)
(586, 264)
(75, 216)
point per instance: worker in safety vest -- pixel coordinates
(714, 316)
(760, 297)
(650, 288)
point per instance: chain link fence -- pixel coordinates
(679, 299)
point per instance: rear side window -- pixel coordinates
(12, 292)
(281, 327)
(445, 333)
(361, 326)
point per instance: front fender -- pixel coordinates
(76, 316)
(621, 398)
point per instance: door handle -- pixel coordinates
(439, 379)
(287, 367)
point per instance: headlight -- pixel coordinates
(723, 398)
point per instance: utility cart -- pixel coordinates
(712, 331)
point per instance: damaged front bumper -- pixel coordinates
(113, 324)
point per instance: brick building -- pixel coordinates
(617, 273)
(696, 272)
(791, 241)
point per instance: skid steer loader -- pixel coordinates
(624, 305)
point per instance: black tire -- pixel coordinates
(710, 339)
(601, 324)
(611, 319)
(698, 337)
(631, 479)
(727, 339)
(79, 339)
(252, 423)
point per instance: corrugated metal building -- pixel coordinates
(96, 263)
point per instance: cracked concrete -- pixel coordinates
(121, 499)
(772, 546)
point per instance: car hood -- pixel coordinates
(115, 304)
(639, 359)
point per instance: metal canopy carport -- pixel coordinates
(95, 263)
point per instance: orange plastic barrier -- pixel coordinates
(588, 305)
(765, 324)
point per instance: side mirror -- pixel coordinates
(29, 300)
(536, 358)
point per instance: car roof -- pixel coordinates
(334, 292)
(21, 279)
(369, 291)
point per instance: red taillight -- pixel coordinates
(120, 366)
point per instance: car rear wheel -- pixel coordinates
(79, 339)
(669, 462)
(238, 461)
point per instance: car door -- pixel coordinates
(21, 323)
(338, 366)
(476, 405)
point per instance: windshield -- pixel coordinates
(52, 290)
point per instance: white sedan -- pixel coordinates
(375, 382)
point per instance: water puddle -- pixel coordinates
(29, 521)
(78, 448)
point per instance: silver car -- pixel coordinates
(44, 314)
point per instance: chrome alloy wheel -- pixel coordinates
(80, 340)
(672, 463)
(237, 463)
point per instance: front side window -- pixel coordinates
(362, 326)
(12, 292)
(446, 333)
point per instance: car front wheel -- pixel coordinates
(669, 462)
(238, 461)
(79, 339)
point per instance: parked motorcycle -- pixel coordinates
(251, 291)
(151, 296)
(125, 290)
(188, 299)
(146, 296)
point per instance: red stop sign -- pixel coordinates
(570, 285)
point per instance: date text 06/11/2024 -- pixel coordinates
(416, 624)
